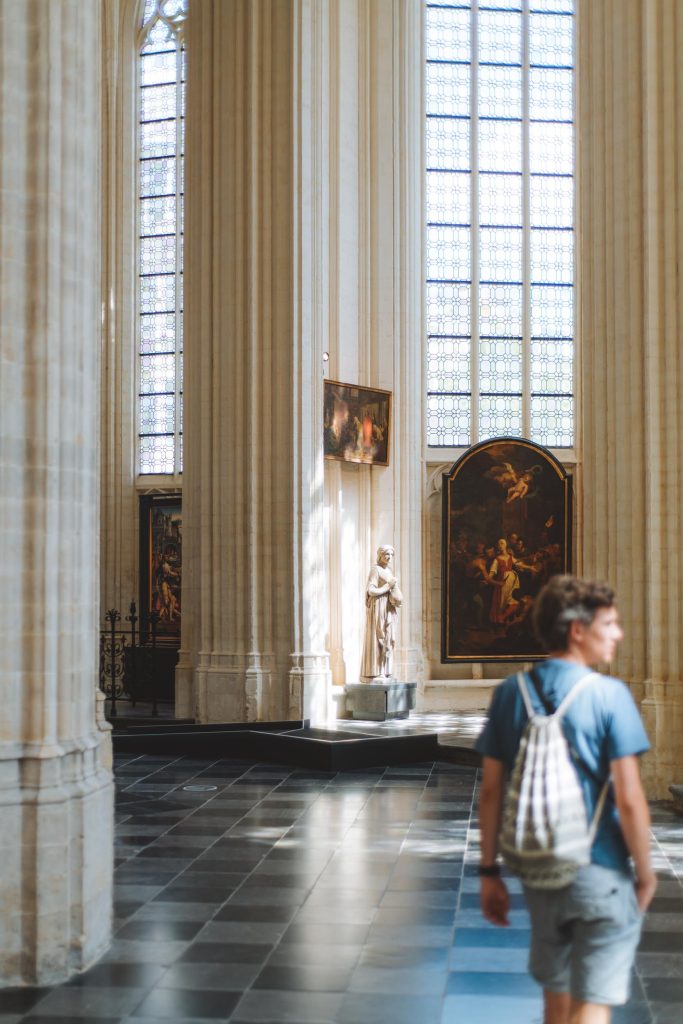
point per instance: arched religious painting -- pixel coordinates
(506, 531)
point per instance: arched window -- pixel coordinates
(499, 236)
(161, 108)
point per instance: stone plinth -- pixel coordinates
(379, 702)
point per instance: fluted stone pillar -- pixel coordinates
(630, 149)
(253, 599)
(55, 784)
(375, 310)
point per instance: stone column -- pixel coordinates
(630, 149)
(55, 786)
(376, 305)
(253, 632)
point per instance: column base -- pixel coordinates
(57, 855)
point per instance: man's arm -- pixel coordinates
(495, 900)
(634, 817)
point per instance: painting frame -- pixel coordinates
(356, 423)
(161, 566)
(506, 528)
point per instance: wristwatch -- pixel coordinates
(489, 870)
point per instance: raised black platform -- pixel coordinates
(287, 742)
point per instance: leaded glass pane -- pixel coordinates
(500, 310)
(157, 374)
(553, 6)
(552, 312)
(500, 254)
(157, 138)
(448, 420)
(551, 94)
(552, 201)
(157, 414)
(157, 216)
(552, 366)
(157, 454)
(448, 253)
(448, 364)
(500, 365)
(500, 146)
(448, 197)
(551, 40)
(448, 308)
(503, 5)
(551, 148)
(500, 416)
(500, 92)
(158, 101)
(157, 333)
(448, 89)
(447, 34)
(157, 177)
(552, 421)
(500, 37)
(552, 257)
(500, 199)
(157, 294)
(157, 254)
(158, 68)
(448, 144)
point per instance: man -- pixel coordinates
(584, 936)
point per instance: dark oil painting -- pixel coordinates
(506, 531)
(356, 423)
(161, 563)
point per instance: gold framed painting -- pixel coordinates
(357, 423)
(506, 530)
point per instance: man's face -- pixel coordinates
(598, 642)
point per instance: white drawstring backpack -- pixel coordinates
(545, 836)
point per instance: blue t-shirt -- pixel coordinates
(601, 725)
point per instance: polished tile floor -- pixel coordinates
(257, 892)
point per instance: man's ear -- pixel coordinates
(576, 632)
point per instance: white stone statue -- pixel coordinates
(382, 601)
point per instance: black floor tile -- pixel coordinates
(20, 1000)
(303, 978)
(226, 953)
(169, 1003)
(235, 912)
(110, 975)
(159, 931)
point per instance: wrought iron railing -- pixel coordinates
(129, 668)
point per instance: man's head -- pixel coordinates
(570, 611)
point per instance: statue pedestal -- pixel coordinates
(380, 702)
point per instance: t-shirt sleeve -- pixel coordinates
(488, 743)
(626, 734)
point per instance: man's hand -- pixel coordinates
(495, 901)
(645, 890)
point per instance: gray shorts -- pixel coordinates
(584, 937)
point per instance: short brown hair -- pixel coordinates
(563, 600)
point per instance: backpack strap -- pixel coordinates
(574, 692)
(521, 683)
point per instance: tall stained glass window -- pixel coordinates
(161, 108)
(499, 236)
